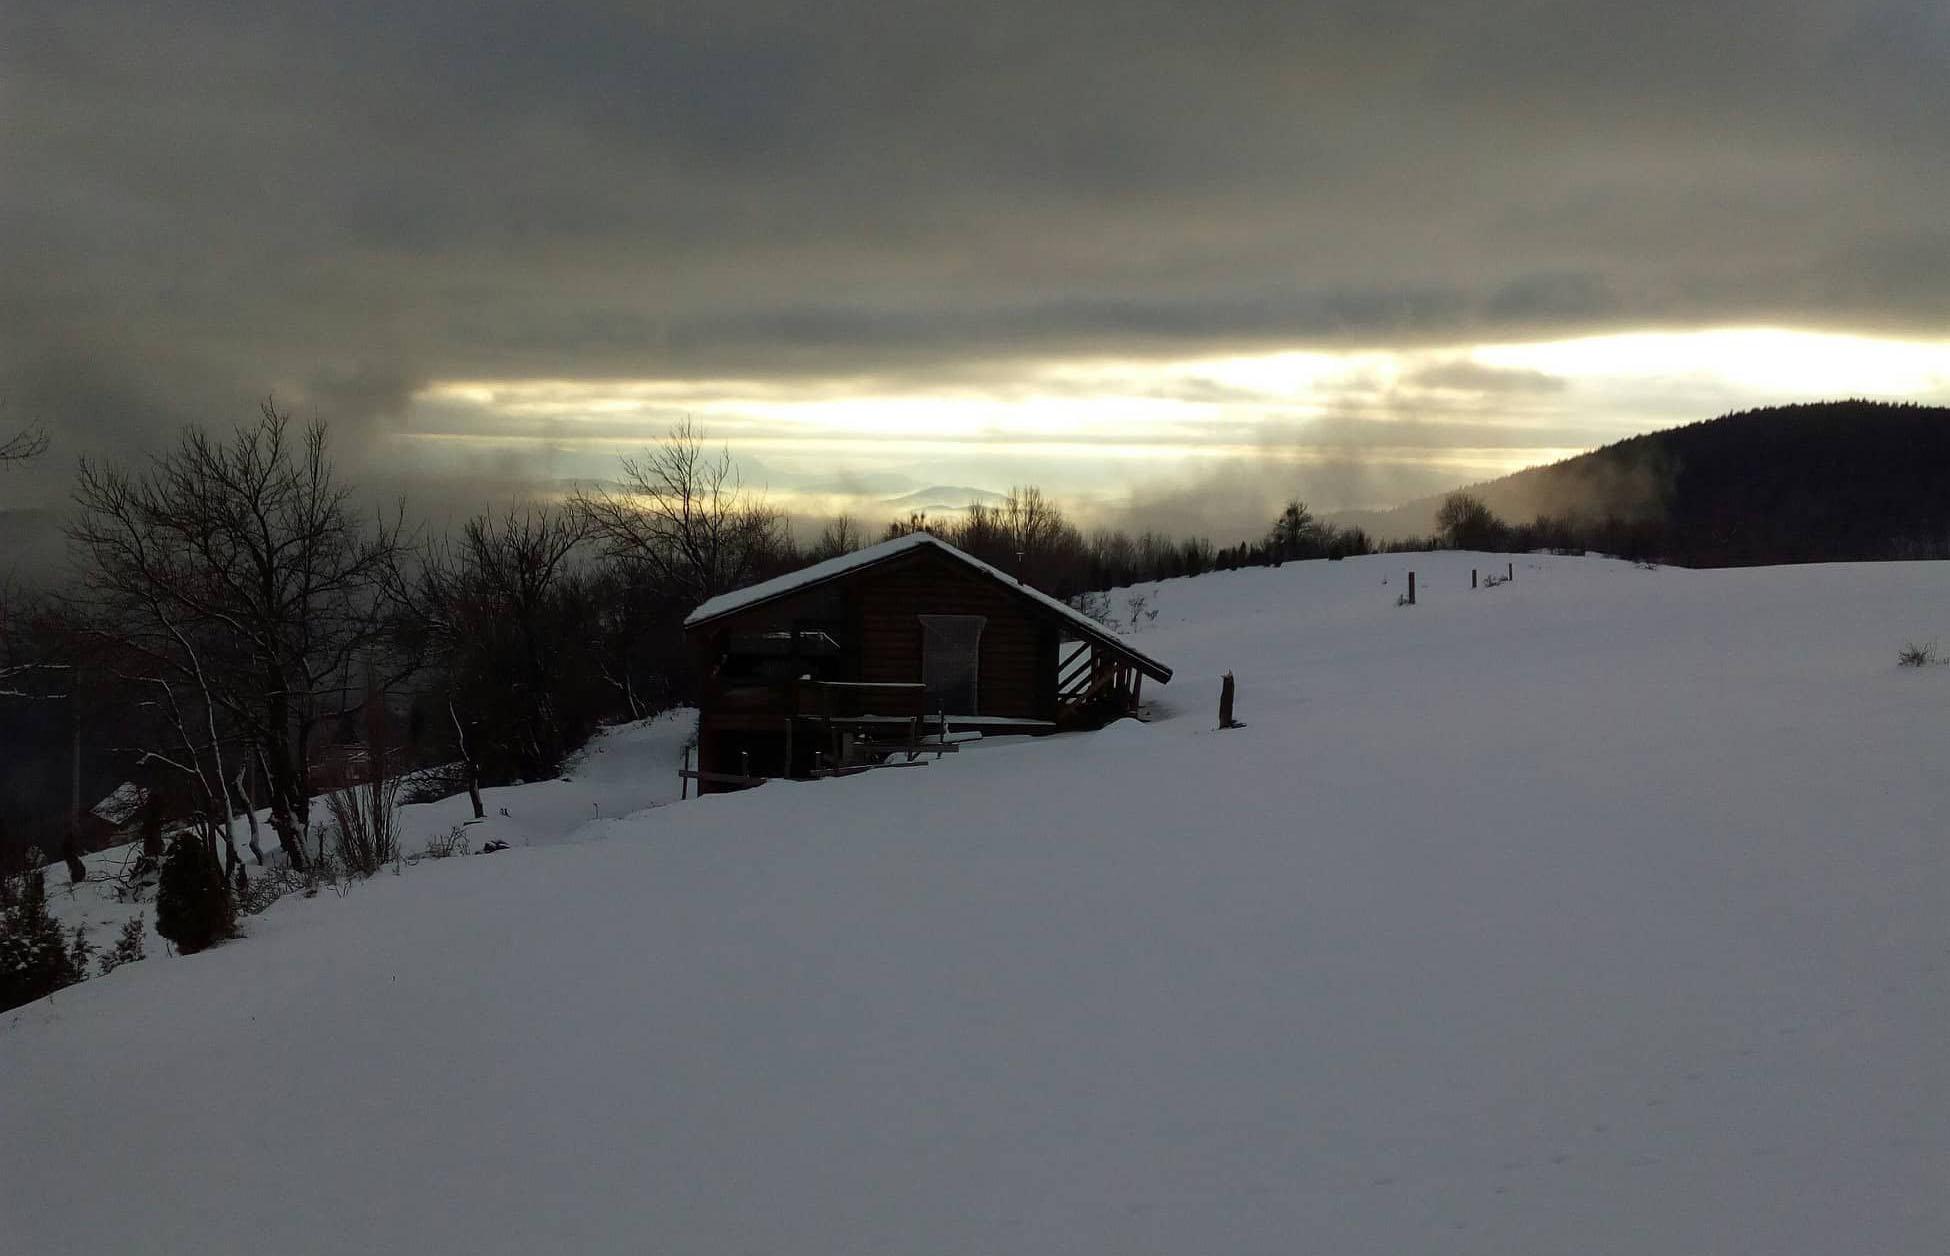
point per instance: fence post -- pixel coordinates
(1411, 588)
(1472, 577)
(1225, 702)
(1510, 571)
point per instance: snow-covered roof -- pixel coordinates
(873, 555)
(121, 806)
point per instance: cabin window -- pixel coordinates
(951, 655)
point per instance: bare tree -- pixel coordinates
(201, 764)
(236, 566)
(1294, 534)
(504, 614)
(841, 535)
(682, 516)
(1032, 522)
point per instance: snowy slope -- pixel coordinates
(625, 769)
(1599, 912)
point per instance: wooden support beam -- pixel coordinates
(722, 778)
(857, 768)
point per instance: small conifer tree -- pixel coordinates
(193, 907)
(128, 947)
(35, 959)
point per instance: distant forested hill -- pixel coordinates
(1829, 481)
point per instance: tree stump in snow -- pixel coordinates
(1225, 703)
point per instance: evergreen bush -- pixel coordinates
(36, 958)
(193, 905)
(128, 947)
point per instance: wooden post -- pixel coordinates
(1472, 577)
(1225, 702)
(1411, 588)
(1510, 571)
(683, 778)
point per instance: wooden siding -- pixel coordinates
(1016, 674)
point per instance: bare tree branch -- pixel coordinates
(236, 565)
(27, 443)
(684, 516)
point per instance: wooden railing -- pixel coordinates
(816, 698)
(1089, 679)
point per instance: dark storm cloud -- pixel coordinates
(203, 203)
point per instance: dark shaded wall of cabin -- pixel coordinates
(875, 617)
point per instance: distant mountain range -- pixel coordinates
(1829, 481)
(943, 497)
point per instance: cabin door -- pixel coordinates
(951, 655)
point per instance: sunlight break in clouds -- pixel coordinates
(1099, 430)
(1768, 362)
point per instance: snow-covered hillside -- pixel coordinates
(622, 770)
(1603, 911)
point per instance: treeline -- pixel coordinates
(1835, 481)
(1028, 535)
(1465, 521)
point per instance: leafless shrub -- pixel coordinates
(365, 825)
(272, 884)
(1914, 655)
(452, 846)
(1092, 605)
(431, 784)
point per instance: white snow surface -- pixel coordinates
(1600, 912)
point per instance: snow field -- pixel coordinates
(1599, 912)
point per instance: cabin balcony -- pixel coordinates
(732, 703)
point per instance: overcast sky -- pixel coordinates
(1359, 250)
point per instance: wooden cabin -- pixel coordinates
(906, 645)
